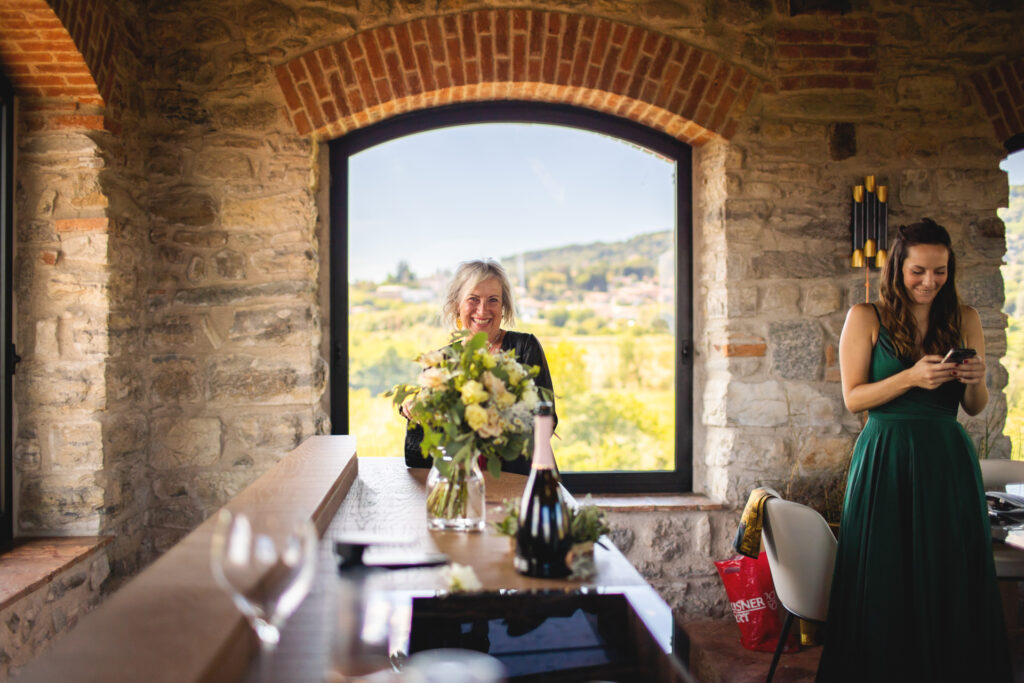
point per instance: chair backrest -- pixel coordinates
(801, 553)
(996, 473)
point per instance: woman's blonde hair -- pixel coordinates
(467, 276)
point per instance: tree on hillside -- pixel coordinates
(594, 278)
(548, 284)
(638, 267)
(403, 274)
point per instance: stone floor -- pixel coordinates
(716, 656)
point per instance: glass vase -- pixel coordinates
(455, 496)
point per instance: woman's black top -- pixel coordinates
(528, 352)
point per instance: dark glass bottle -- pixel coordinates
(543, 538)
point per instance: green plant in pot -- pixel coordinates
(587, 523)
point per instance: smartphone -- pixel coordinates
(959, 355)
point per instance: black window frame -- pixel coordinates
(7, 356)
(678, 480)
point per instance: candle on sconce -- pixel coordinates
(871, 218)
(883, 225)
(883, 214)
(857, 259)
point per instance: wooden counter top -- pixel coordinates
(389, 499)
(173, 623)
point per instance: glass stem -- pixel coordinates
(269, 636)
(266, 651)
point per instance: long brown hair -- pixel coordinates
(894, 301)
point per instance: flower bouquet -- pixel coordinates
(470, 402)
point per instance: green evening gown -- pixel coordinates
(914, 595)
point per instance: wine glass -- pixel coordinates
(266, 565)
(370, 624)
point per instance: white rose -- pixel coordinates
(433, 378)
(430, 359)
(493, 426)
(498, 391)
(460, 578)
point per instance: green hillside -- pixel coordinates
(552, 273)
(647, 247)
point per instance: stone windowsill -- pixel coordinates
(651, 502)
(33, 562)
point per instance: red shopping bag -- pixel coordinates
(748, 583)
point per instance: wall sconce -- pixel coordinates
(870, 227)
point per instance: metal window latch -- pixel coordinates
(12, 358)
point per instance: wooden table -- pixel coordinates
(389, 499)
(172, 623)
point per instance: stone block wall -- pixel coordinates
(29, 625)
(172, 263)
(233, 369)
(675, 552)
(61, 284)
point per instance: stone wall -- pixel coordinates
(28, 625)
(80, 438)
(171, 262)
(60, 286)
(234, 371)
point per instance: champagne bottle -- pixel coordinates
(543, 538)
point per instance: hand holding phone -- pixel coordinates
(959, 355)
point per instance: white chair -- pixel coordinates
(995, 475)
(801, 554)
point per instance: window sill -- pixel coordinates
(34, 562)
(650, 502)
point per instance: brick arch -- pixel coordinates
(520, 54)
(1001, 90)
(64, 51)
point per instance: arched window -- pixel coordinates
(1013, 306)
(604, 282)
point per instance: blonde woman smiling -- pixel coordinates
(479, 299)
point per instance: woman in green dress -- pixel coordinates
(914, 594)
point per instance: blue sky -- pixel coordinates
(1014, 167)
(492, 190)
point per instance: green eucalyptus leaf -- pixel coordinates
(444, 467)
(463, 453)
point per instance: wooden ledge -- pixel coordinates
(656, 502)
(172, 623)
(34, 562)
